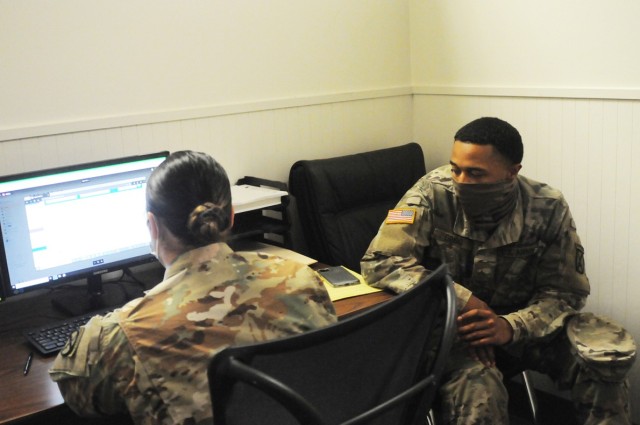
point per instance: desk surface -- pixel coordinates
(35, 394)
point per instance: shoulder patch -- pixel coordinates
(401, 216)
(71, 346)
(579, 259)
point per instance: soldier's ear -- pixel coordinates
(152, 224)
(513, 171)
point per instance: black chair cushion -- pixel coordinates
(342, 201)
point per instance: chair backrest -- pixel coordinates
(342, 201)
(379, 367)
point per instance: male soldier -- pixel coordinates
(511, 246)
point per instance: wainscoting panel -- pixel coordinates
(263, 142)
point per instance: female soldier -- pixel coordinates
(150, 357)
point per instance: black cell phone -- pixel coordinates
(338, 276)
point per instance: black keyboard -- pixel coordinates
(50, 338)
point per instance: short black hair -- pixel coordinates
(495, 132)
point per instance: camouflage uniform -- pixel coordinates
(150, 357)
(531, 270)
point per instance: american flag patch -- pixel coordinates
(401, 216)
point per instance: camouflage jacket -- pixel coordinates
(150, 357)
(530, 269)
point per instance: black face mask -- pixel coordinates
(485, 204)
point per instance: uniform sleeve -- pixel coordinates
(394, 257)
(308, 308)
(561, 284)
(94, 369)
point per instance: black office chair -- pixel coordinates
(378, 367)
(342, 201)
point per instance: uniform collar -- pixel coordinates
(196, 256)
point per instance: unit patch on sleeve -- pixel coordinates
(401, 216)
(579, 259)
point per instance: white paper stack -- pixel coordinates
(246, 197)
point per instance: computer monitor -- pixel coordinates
(72, 223)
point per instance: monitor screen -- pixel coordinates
(73, 222)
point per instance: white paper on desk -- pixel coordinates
(255, 246)
(343, 292)
(246, 197)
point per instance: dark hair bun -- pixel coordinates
(207, 222)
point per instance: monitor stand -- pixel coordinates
(95, 296)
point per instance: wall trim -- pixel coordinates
(543, 92)
(102, 123)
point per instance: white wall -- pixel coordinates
(566, 74)
(74, 65)
(501, 43)
(256, 84)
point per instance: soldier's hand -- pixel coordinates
(484, 354)
(480, 326)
